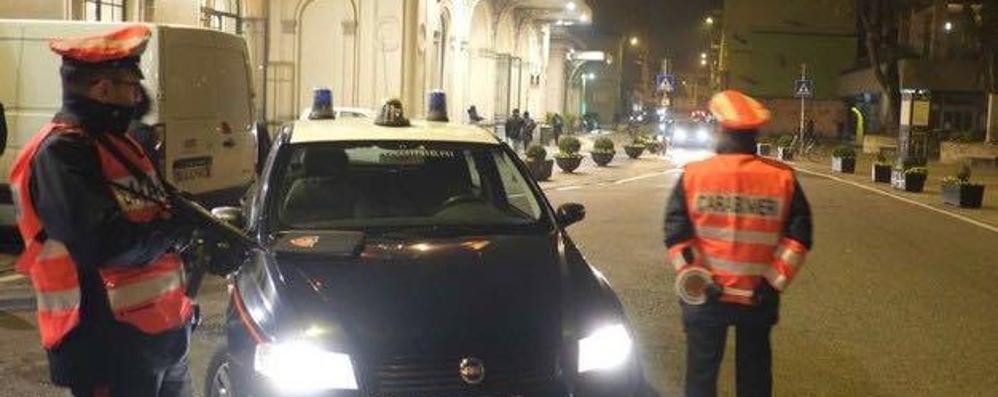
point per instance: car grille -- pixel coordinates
(504, 376)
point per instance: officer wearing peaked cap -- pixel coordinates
(99, 243)
(737, 228)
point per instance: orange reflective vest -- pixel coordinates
(149, 297)
(738, 206)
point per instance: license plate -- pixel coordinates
(191, 168)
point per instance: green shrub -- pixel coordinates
(653, 146)
(767, 139)
(569, 145)
(603, 145)
(882, 160)
(845, 152)
(964, 173)
(917, 170)
(785, 141)
(537, 152)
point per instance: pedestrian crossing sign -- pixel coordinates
(804, 89)
(666, 83)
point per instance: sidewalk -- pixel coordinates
(621, 168)
(932, 196)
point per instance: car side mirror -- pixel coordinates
(230, 215)
(570, 213)
(3, 130)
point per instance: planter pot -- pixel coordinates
(881, 173)
(908, 182)
(634, 151)
(603, 158)
(654, 148)
(568, 164)
(763, 149)
(784, 153)
(965, 196)
(845, 165)
(540, 169)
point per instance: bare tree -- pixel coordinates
(880, 20)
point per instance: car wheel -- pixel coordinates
(220, 379)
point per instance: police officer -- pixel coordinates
(99, 241)
(738, 228)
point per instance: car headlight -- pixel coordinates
(607, 348)
(303, 367)
(703, 135)
(680, 134)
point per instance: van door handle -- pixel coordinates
(229, 143)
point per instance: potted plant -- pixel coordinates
(568, 157)
(783, 148)
(844, 159)
(635, 149)
(959, 191)
(764, 147)
(538, 163)
(603, 151)
(654, 147)
(881, 170)
(911, 179)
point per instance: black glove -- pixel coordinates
(765, 294)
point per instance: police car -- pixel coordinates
(415, 259)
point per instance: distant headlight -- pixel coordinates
(703, 135)
(302, 367)
(607, 348)
(680, 134)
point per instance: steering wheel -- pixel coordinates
(458, 199)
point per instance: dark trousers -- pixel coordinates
(173, 381)
(123, 362)
(706, 329)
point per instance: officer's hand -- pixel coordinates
(713, 292)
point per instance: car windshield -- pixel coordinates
(387, 185)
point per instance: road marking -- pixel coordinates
(904, 199)
(562, 189)
(639, 177)
(11, 277)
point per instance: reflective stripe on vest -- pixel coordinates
(149, 297)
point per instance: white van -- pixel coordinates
(200, 83)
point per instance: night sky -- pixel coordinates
(669, 27)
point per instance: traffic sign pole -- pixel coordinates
(803, 77)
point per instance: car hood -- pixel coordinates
(441, 296)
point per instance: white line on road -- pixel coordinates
(905, 199)
(562, 189)
(639, 177)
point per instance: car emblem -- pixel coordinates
(472, 370)
(304, 242)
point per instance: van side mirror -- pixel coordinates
(263, 143)
(230, 215)
(3, 130)
(570, 213)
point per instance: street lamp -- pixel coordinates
(709, 21)
(703, 55)
(948, 27)
(634, 41)
(584, 18)
(570, 6)
(703, 62)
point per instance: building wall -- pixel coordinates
(827, 114)
(369, 50)
(34, 9)
(767, 40)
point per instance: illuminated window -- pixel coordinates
(104, 10)
(224, 15)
